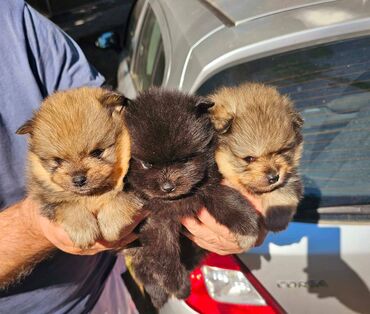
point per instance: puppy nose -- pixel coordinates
(79, 180)
(168, 187)
(272, 177)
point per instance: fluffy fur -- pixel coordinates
(173, 168)
(79, 152)
(260, 147)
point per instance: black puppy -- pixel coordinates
(173, 168)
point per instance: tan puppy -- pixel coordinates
(79, 152)
(260, 147)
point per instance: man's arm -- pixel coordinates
(26, 238)
(22, 243)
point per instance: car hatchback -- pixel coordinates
(317, 52)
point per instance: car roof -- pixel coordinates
(205, 36)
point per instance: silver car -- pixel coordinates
(318, 52)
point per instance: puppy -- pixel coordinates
(260, 146)
(79, 152)
(174, 170)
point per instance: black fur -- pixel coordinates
(173, 145)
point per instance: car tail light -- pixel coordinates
(224, 285)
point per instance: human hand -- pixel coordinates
(206, 232)
(57, 237)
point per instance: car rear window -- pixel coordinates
(330, 85)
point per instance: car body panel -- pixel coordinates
(311, 267)
(176, 306)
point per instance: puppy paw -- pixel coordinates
(177, 283)
(277, 218)
(84, 233)
(117, 214)
(158, 295)
(246, 241)
(158, 302)
(184, 291)
(111, 228)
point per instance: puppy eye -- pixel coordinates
(285, 150)
(250, 159)
(96, 153)
(185, 159)
(58, 160)
(146, 165)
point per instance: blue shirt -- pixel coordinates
(37, 58)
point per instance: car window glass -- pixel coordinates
(158, 69)
(330, 85)
(149, 59)
(132, 27)
(155, 39)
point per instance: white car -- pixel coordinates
(318, 52)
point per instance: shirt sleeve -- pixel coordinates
(58, 61)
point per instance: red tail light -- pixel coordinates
(201, 301)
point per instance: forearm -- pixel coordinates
(22, 243)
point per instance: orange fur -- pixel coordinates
(255, 120)
(64, 134)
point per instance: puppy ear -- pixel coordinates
(26, 128)
(224, 125)
(114, 101)
(297, 120)
(203, 104)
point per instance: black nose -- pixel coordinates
(272, 177)
(79, 180)
(168, 187)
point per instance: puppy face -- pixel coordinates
(261, 143)
(75, 136)
(169, 180)
(172, 142)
